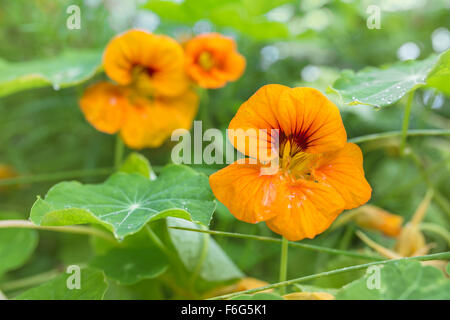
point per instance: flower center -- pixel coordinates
(142, 79)
(206, 60)
(294, 161)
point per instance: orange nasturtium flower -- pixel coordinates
(212, 60)
(319, 173)
(152, 95)
(375, 218)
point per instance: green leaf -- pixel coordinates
(92, 287)
(68, 69)
(212, 264)
(439, 77)
(126, 202)
(404, 280)
(244, 16)
(137, 163)
(258, 296)
(130, 265)
(16, 247)
(383, 87)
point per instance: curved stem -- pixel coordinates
(31, 281)
(293, 244)
(118, 152)
(67, 229)
(393, 134)
(283, 262)
(152, 235)
(405, 125)
(436, 256)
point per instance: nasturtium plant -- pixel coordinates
(126, 202)
(68, 69)
(383, 87)
(404, 280)
(92, 286)
(94, 104)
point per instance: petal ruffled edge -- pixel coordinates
(245, 192)
(343, 170)
(307, 209)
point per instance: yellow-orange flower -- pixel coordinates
(212, 60)
(142, 122)
(153, 64)
(374, 218)
(152, 97)
(320, 174)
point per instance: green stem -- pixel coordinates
(436, 256)
(45, 177)
(118, 152)
(292, 244)
(347, 237)
(152, 235)
(2, 296)
(393, 134)
(31, 281)
(283, 262)
(67, 229)
(201, 259)
(405, 125)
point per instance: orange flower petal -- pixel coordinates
(212, 60)
(103, 105)
(245, 192)
(307, 113)
(302, 114)
(343, 170)
(305, 209)
(149, 123)
(155, 62)
(258, 112)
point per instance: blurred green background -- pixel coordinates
(295, 43)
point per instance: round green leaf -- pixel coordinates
(126, 202)
(383, 87)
